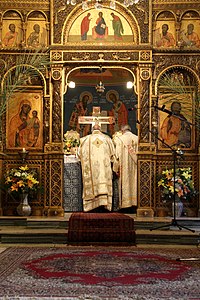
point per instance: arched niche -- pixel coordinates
(11, 35)
(189, 37)
(130, 33)
(180, 85)
(27, 91)
(36, 31)
(165, 30)
(86, 80)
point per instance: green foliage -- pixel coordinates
(27, 65)
(21, 180)
(173, 88)
(184, 185)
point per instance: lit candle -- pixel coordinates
(23, 150)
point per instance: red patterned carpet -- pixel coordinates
(99, 273)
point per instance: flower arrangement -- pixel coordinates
(71, 140)
(21, 180)
(184, 186)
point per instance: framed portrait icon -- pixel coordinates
(24, 121)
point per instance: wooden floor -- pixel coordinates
(54, 230)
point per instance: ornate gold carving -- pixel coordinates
(1, 147)
(145, 182)
(56, 55)
(53, 147)
(72, 56)
(145, 73)
(101, 56)
(56, 74)
(57, 112)
(117, 56)
(145, 55)
(144, 111)
(56, 183)
(82, 56)
(61, 8)
(145, 212)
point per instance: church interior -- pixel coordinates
(61, 64)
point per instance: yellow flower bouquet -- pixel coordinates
(71, 140)
(184, 185)
(21, 180)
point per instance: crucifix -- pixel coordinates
(96, 117)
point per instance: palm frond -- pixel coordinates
(28, 64)
(175, 89)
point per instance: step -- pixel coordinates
(25, 235)
(167, 237)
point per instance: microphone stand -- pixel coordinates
(174, 222)
(175, 153)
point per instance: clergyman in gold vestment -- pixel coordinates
(126, 146)
(96, 152)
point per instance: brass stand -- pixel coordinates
(23, 155)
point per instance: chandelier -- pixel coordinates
(100, 88)
(98, 3)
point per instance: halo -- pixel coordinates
(88, 94)
(111, 92)
(25, 101)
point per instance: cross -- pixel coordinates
(96, 117)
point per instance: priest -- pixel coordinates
(96, 152)
(125, 165)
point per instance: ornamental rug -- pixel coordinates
(99, 273)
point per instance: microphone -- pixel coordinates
(164, 110)
(170, 113)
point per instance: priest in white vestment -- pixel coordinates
(96, 152)
(126, 146)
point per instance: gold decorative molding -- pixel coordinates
(174, 2)
(53, 148)
(145, 73)
(22, 4)
(96, 56)
(56, 73)
(145, 55)
(56, 55)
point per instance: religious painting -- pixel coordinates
(101, 26)
(115, 103)
(24, 121)
(11, 30)
(81, 108)
(36, 34)
(189, 34)
(165, 31)
(118, 111)
(176, 115)
(164, 35)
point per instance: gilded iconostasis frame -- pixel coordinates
(137, 49)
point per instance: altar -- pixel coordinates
(73, 186)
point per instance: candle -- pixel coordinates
(23, 150)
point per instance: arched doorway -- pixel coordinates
(97, 84)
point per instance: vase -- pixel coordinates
(73, 151)
(178, 208)
(24, 209)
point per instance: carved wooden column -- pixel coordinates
(54, 148)
(146, 164)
